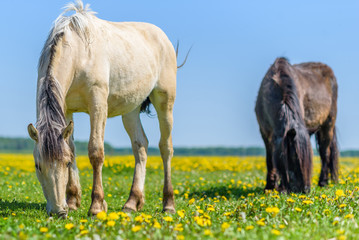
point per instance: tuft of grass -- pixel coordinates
(216, 198)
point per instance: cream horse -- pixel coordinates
(105, 69)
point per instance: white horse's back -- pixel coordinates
(126, 58)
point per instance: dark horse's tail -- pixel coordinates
(294, 161)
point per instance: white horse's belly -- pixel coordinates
(126, 96)
(118, 102)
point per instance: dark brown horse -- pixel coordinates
(294, 102)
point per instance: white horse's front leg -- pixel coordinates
(139, 143)
(98, 117)
(73, 188)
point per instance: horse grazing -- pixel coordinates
(294, 102)
(104, 69)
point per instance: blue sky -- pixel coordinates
(234, 43)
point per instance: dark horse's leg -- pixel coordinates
(272, 177)
(326, 138)
(334, 157)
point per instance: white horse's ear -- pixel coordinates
(67, 131)
(33, 133)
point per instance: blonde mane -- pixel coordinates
(78, 22)
(51, 119)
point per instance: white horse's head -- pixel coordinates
(53, 157)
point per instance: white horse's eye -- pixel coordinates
(37, 167)
(68, 164)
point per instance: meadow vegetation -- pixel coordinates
(216, 198)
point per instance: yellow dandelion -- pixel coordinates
(281, 226)
(261, 222)
(22, 235)
(157, 225)
(180, 237)
(101, 215)
(178, 227)
(227, 213)
(224, 226)
(83, 220)
(176, 191)
(122, 214)
(349, 216)
(275, 232)
(326, 211)
(111, 223)
(69, 226)
(210, 209)
(113, 216)
(83, 232)
(250, 227)
(44, 229)
(191, 201)
(136, 228)
(342, 237)
(139, 219)
(21, 226)
(181, 213)
(308, 202)
(273, 210)
(168, 219)
(298, 209)
(290, 200)
(342, 205)
(339, 193)
(207, 232)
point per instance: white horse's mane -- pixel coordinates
(51, 119)
(78, 22)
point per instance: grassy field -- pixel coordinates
(216, 198)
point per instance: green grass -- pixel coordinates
(237, 198)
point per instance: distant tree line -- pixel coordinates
(24, 145)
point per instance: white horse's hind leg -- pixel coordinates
(139, 143)
(98, 116)
(163, 101)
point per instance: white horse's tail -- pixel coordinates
(185, 60)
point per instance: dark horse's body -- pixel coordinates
(295, 101)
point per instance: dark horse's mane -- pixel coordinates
(51, 119)
(295, 131)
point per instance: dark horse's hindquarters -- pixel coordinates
(295, 101)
